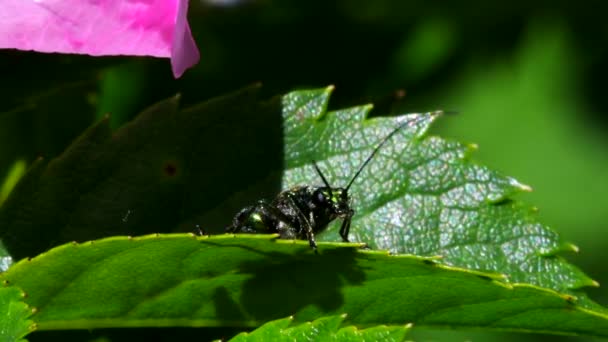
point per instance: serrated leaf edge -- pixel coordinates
(494, 278)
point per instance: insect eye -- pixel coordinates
(344, 196)
(320, 197)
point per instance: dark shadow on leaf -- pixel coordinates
(283, 284)
(503, 201)
(225, 306)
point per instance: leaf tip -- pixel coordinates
(502, 276)
(570, 299)
(520, 186)
(526, 188)
(430, 262)
(570, 247)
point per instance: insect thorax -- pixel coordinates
(319, 214)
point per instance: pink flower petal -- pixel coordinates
(183, 50)
(101, 27)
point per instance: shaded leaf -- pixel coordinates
(14, 174)
(419, 195)
(168, 170)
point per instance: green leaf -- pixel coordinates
(322, 329)
(184, 280)
(422, 195)
(526, 134)
(5, 258)
(14, 174)
(419, 195)
(168, 170)
(15, 322)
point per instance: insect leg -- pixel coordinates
(309, 232)
(307, 224)
(345, 229)
(239, 221)
(199, 230)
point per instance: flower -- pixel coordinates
(156, 28)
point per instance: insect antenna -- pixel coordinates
(314, 163)
(371, 156)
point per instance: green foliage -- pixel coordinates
(180, 280)
(419, 195)
(159, 173)
(14, 174)
(422, 195)
(528, 78)
(527, 112)
(322, 329)
(14, 313)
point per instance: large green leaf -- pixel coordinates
(172, 169)
(422, 195)
(168, 170)
(322, 329)
(14, 313)
(181, 280)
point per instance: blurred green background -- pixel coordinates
(528, 79)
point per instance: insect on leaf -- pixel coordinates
(175, 280)
(422, 194)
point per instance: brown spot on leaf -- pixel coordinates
(170, 169)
